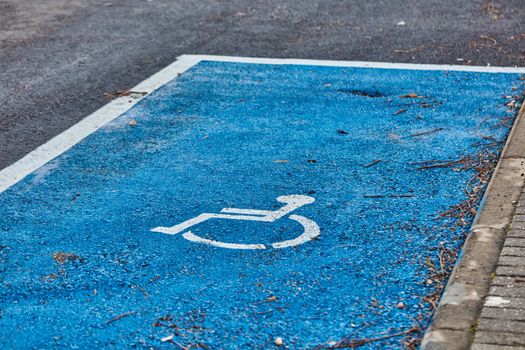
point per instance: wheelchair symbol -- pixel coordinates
(292, 202)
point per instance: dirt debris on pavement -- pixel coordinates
(62, 257)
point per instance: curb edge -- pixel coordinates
(454, 322)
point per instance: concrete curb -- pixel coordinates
(454, 323)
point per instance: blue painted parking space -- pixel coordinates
(241, 205)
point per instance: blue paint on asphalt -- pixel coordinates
(210, 139)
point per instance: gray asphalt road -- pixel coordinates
(59, 57)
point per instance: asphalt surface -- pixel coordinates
(59, 57)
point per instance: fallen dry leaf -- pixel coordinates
(401, 111)
(411, 95)
(492, 10)
(63, 258)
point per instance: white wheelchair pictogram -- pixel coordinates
(292, 202)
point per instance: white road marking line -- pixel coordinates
(357, 64)
(246, 211)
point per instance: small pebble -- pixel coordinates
(279, 341)
(165, 339)
(133, 122)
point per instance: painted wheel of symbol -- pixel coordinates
(311, 231)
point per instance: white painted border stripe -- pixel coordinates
(357, 64)
(70, 137)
